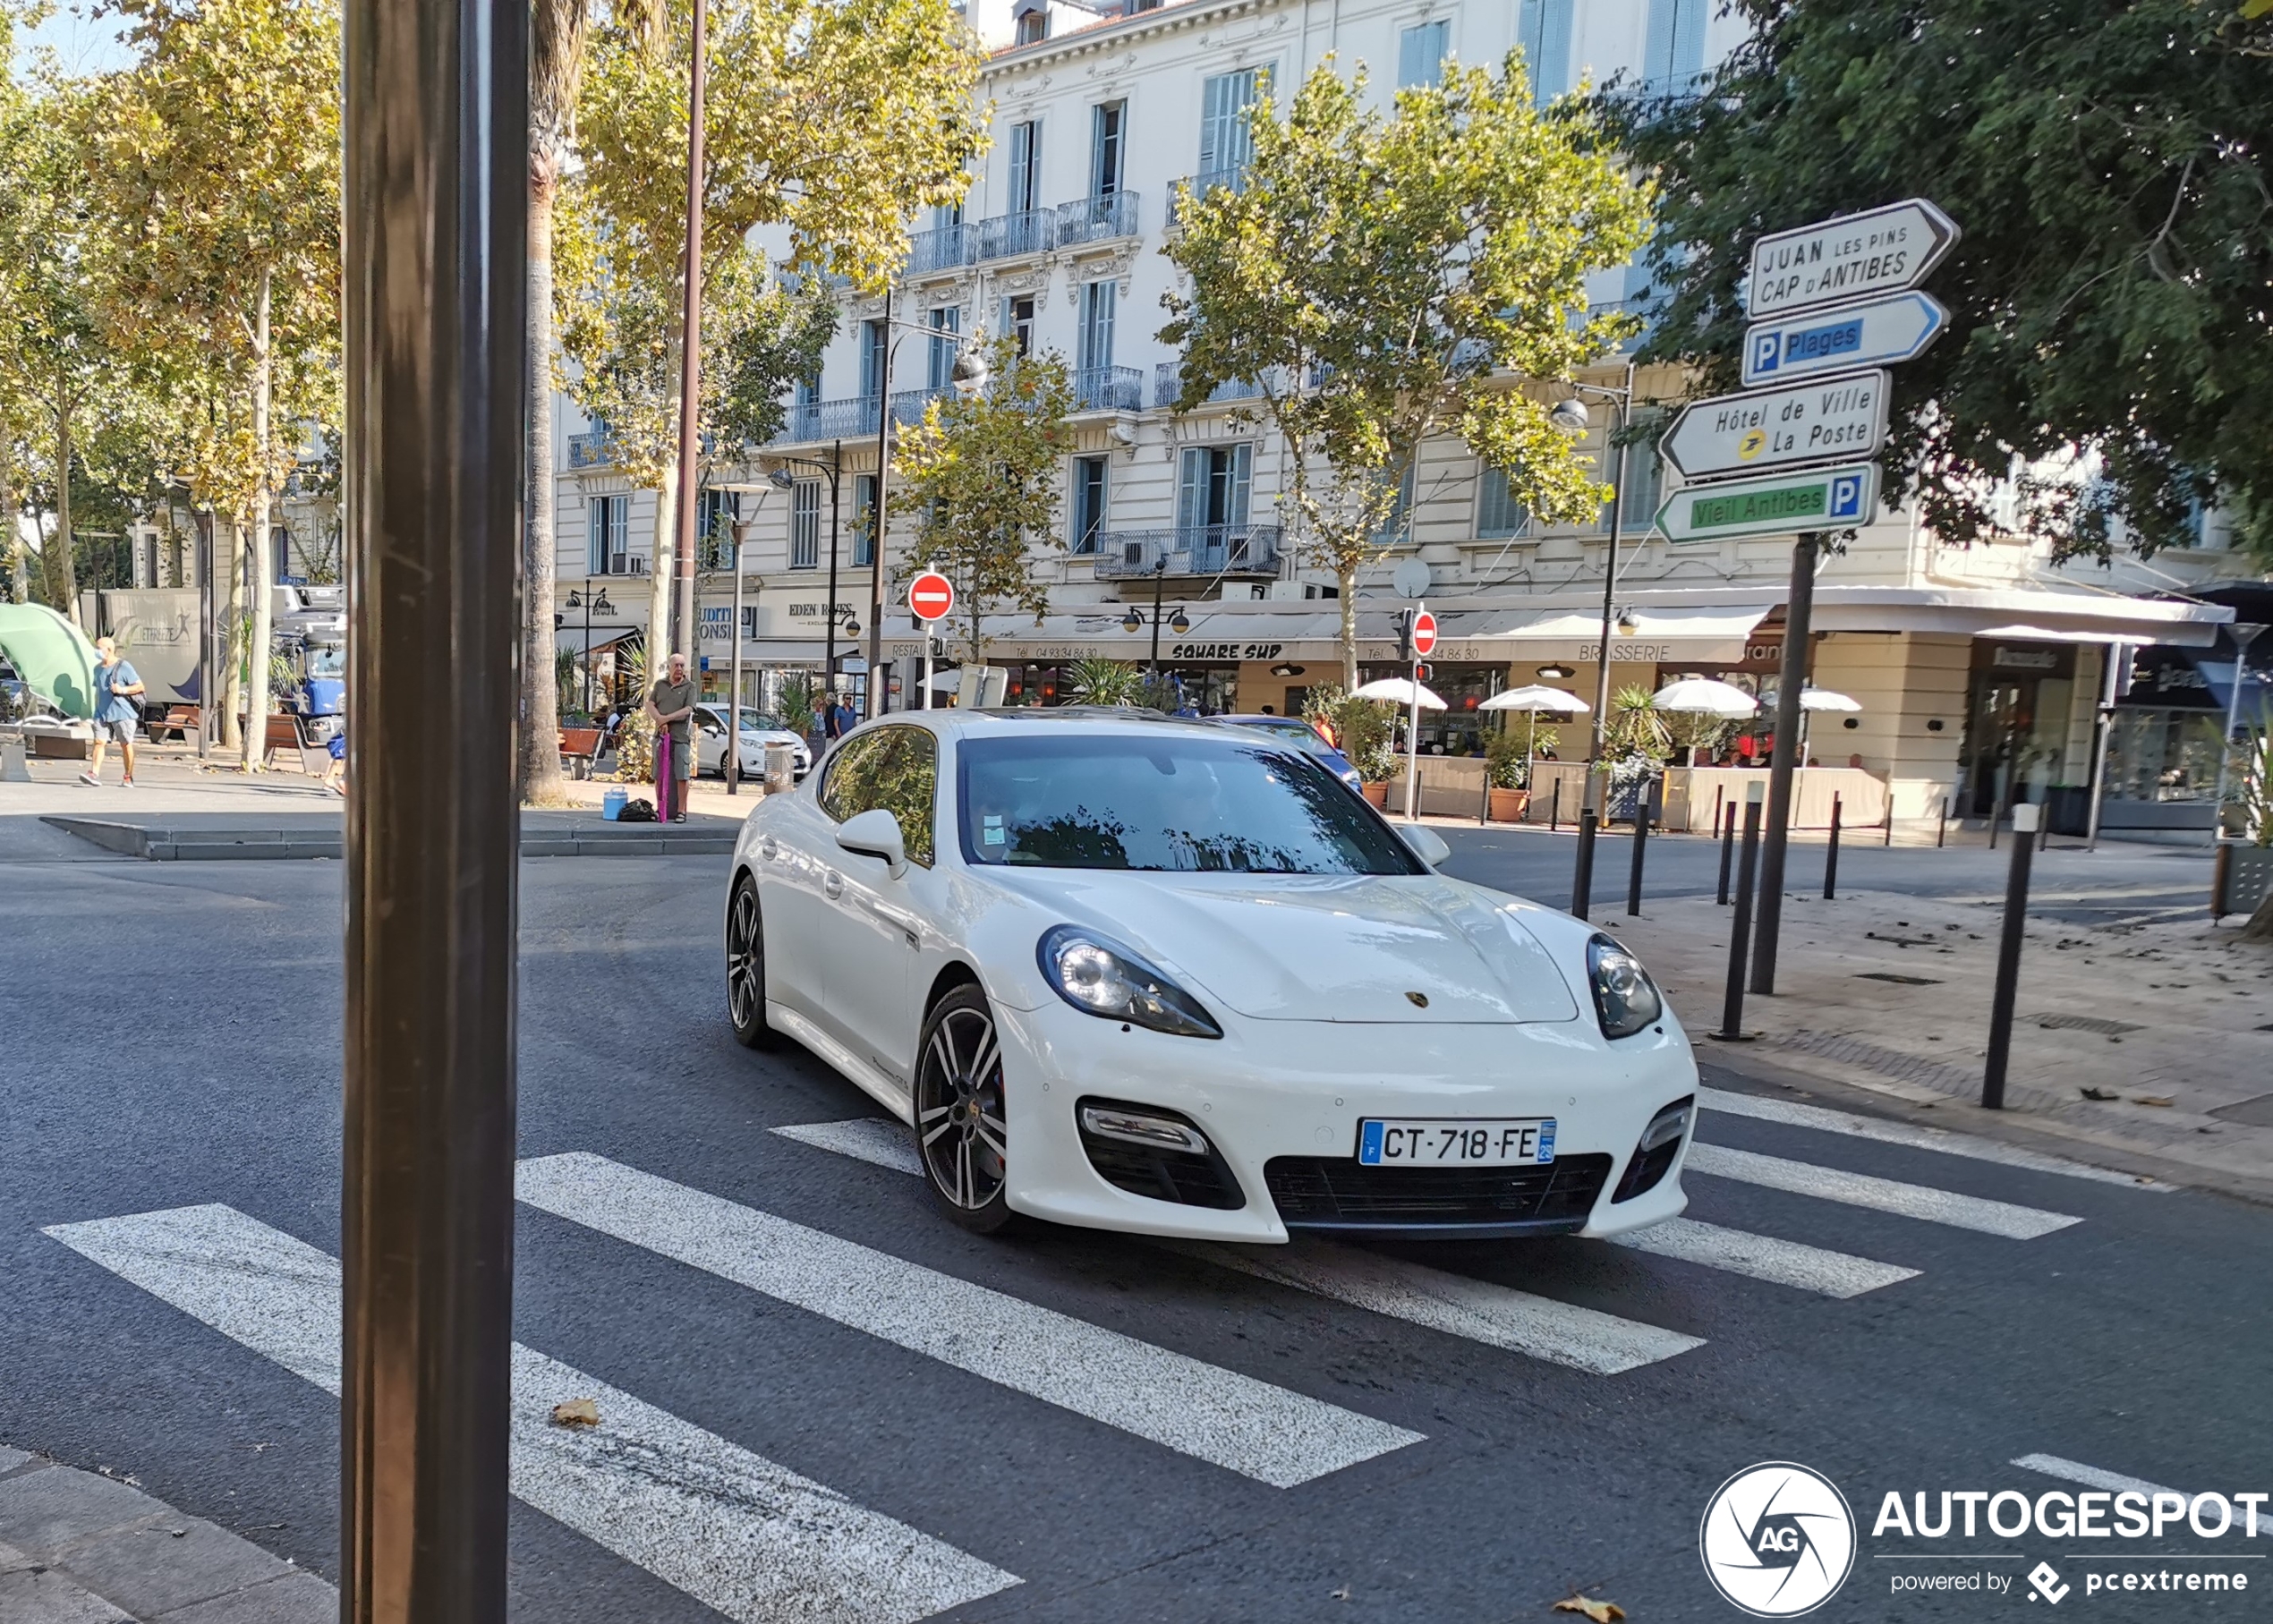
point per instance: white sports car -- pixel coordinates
(1176, 979)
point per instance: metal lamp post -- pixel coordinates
(2244, 634)
(781, 479)
(1176, 623)
(1570, 414)
(588, 600)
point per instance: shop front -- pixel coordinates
(2019, 715)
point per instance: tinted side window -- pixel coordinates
(893, 767)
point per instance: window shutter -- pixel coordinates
(1239, 480)
(1022, 157)
(1191, 489)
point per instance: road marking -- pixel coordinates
(1948, 1141)
(1764, 1257)
(1583, 1338)
(1248, 1426)
(876, 1139)
(747, 1538)
(1561, 1333)
(1880, 1194)
(2090, 1478)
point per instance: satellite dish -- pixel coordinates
(1410, 578)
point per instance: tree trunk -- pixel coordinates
(232, 641)
(63, 578)
(263, 632)
(1347, 577)
(2261, 925)
(11, 527)
(659, 557)
(540, 750)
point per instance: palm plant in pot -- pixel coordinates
(1507, 770)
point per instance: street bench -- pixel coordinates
(180, 720)
(284, 733)
(579, 748)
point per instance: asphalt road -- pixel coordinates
(171, 1041)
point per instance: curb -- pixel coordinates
(164, 845)
(78, 1548)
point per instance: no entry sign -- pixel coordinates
(1424, 632)
(930, 595)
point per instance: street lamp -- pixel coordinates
(781, 479)
(1178, 623)
(588, 600)
(1570, 415)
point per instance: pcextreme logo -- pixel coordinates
(1777, 1540)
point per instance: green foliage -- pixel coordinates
(1635, 727)
(1373, 273)
(1362, 727)
(980, 478)
(1691, 730)
(2112, 293)
(1096, 680)
(568, 681)
(1506, 764)
(800, 705)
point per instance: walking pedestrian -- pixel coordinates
(841, 719)
(116, 685)
(671, 702)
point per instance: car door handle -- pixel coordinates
(767, 849)
(832, 885)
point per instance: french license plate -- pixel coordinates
(1456, 1142)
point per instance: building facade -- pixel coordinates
(1979, 671)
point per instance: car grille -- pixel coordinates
(1339, 1192)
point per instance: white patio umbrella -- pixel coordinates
(1811, 700)
(1399, 691)
(1705, 696)
(1534, 700)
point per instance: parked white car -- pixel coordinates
(1173, 978)
(759, 730)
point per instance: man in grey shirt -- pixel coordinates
(671, 701)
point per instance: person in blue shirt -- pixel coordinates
(116, 687)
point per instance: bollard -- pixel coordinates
(1941, 829)
(1831, 857)
(1483, 803)
(1739, 937)
(1728, 850)
(2025, 817)
(2221, 871)
(1992, 828)
(1554, 810)
(1582, 873)
(1641, 836)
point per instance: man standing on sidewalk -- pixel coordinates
(671, 701)
(116, 685)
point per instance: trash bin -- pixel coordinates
(781, 769)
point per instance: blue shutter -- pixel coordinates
(1239, 480)
(1543, 29)
(1096, 325)
(1191, 489)
(1421, 50)
(1674, 57)
(1023, 154)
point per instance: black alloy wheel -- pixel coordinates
(746, 968)
(959, 1125)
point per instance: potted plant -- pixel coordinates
(1507, 770)
(1358, 728)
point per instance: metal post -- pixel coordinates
(1728, 850)
(1600, 721)
(1799, 602)
(1993, 817)
(877, 705)
(1641, 839)
(434, 360)
(1831, 857)
(2221, 873)
(1583, 871)
(1160, 574)
(2025, 819)
(1740, 928)
(690, 376)
(927, 667)
(1484, 806)
(1554, 808)
(2113, 681)
(1941, 829)
(1413, 736)
(740, 531)
(208, 667)
(2242, 635)
(829, 610)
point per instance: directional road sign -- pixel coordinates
(1868, 332)
(1424, 632)
(1780, 505)
(930, 595)
(1881, 251)
(1832, 420)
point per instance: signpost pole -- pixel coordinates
(1412, 730)
(1797, 607)
(1740, 928)
(740, 531)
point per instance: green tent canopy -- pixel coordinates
(52, 655)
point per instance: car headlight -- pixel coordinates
(1626, 999)
(1098, 976)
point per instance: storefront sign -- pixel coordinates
(812, 610)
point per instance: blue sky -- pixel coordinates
(82, 44)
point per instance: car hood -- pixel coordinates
(1321, 948)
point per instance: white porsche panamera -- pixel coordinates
(1154, 975)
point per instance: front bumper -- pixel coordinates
(1296, 1090)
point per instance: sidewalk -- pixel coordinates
(78, 1548)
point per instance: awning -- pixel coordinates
(577, 638)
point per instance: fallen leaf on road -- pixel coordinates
(1601, 1612)
(2152, 1099)
(2098, 1094)
(576, 1411)
(1341, 1595)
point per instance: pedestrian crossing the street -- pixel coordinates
(760, 1542)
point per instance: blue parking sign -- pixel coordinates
(1846, 496)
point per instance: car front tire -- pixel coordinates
(960, 1132)
(746, 968)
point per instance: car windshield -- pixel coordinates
(758, 721)
(1175, 803)
(327, 660)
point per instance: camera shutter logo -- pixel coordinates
(1778, 1540)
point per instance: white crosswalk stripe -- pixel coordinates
(1797, 1114)
(1764, 1257)
(1880, 1194)
(1563, 1333)
(1218, 1416)
(2090, 1478)
(750, 1539)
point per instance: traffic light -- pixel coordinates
(1405, 637)
(1420, 674)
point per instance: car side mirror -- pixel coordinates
(875, 833)
(1425, 842)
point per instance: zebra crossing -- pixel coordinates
(760, 1542)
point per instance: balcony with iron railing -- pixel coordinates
(1098, 219)
(1168, 386)
(588, 450)
(1249, 551)
(1200, 185)
(852, 418)
(1108, 390)
(942, 248)
(1005, 237)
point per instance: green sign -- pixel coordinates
(1832, 498)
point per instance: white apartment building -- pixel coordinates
(1978, 670)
